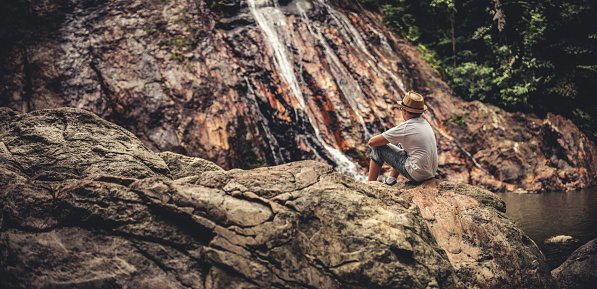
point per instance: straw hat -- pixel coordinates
(413, 102)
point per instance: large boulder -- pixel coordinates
(184, 166)
(485, 247)
(42, 151)
(579, 271)
(69, 144)
(108, 213)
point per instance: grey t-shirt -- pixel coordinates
(418, 140)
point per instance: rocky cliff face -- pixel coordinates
(84, 204)
(264, 82)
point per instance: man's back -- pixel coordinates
(418, 140)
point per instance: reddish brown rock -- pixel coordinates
(486, 248)
(312, 80)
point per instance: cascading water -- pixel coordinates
(349, 31)
(268, 16)
(272, 22)
(384, 43)
(348, 85)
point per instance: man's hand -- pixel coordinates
(378, 140)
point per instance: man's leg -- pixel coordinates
(394, 173)
(379, 156)
(374, 170)
(391, 154)
(391, 180)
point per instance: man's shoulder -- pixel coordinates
(415, 122)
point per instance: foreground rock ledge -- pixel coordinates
(83, 204)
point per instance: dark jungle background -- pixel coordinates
(530, 55)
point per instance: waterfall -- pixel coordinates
(344, 165)
(268, 15)
(384, 42)
(351, 32)
(347, 84)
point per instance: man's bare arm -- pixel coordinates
(378, 140)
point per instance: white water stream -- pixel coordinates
(278, 35)
(347, 84)
(268, 15)
(350, 32)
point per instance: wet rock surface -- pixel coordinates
(579, 270)
(246, 84)
(171, 221)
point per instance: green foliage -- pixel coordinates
(449, 4)
(472, 80)
(522, 55)
(586, 121)
(397, 17)
(457, 120)
(185, 43)
(431, 57)
(177, 56)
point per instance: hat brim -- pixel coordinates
(413, 110)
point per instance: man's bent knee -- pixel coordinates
(375, 157)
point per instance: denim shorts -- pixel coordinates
(393, 155)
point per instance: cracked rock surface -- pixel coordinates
(83, 204)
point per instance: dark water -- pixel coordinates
(546, 215)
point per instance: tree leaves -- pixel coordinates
(524, 55)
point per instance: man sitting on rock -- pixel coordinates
(415, 155)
